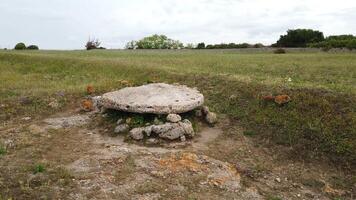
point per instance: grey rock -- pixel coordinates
(148, 130)
(183, 138)
(174, 118)
(205, 110)
(188, 128)
(120, 121)
(211, 118)
(137, 133)
(63, 122)
(97, 104)
(152, 141)
(122, 128)
(173, 131)
(157, 98)
(198, 113)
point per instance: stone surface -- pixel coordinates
(170, 131)
(64, 122)
(122, 128)
(174, 118)
(137, 133)
(211, 118)
(157, 98)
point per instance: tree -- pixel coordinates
(155, 42)
(33, 47)
(93, 44)
(299, 38)
(20, 46)
(201, 45)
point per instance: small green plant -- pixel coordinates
(2, 150)
(39, 168)
(249, 133)
(273, 198)
(20, 46)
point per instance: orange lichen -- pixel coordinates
(87, 105)
(268, 98)
(183, 162)
(282, 99)
(90, 89)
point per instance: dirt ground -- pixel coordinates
(83, 160)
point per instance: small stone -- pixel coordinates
(152, 141)
(36, 129)
(278, 179)
(90, 133)
(122, 128)
(205, 110)
(156, 121)
(137, 133)
(211, 118)
(182, 138)
(232, 97)
(26, 118)
(54, 104)
(198, 113)
(148, 130)
(174, 118)
(119, 121)
(97, 103)
(128, 120)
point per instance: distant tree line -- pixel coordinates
(228, 46)
(315, 39)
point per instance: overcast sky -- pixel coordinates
(67, 24)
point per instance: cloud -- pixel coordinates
(59, 24)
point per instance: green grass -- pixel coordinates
(320, 119)
(2, 150)
(39, 168)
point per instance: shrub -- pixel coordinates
(299, 38)
(33, 47)
(201, 45)
(93, 44)
(279, 51)
(20, 46)
(155, 42)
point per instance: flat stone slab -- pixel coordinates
(156, 98)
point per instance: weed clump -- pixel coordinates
(2, 150)
(39, 168)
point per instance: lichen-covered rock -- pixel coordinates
(188, 128)
(157, 98)
(211, 118)
(137, 133)
(122, 128)
(174, 118)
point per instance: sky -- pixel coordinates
(68, 24)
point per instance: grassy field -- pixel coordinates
(320, 119)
